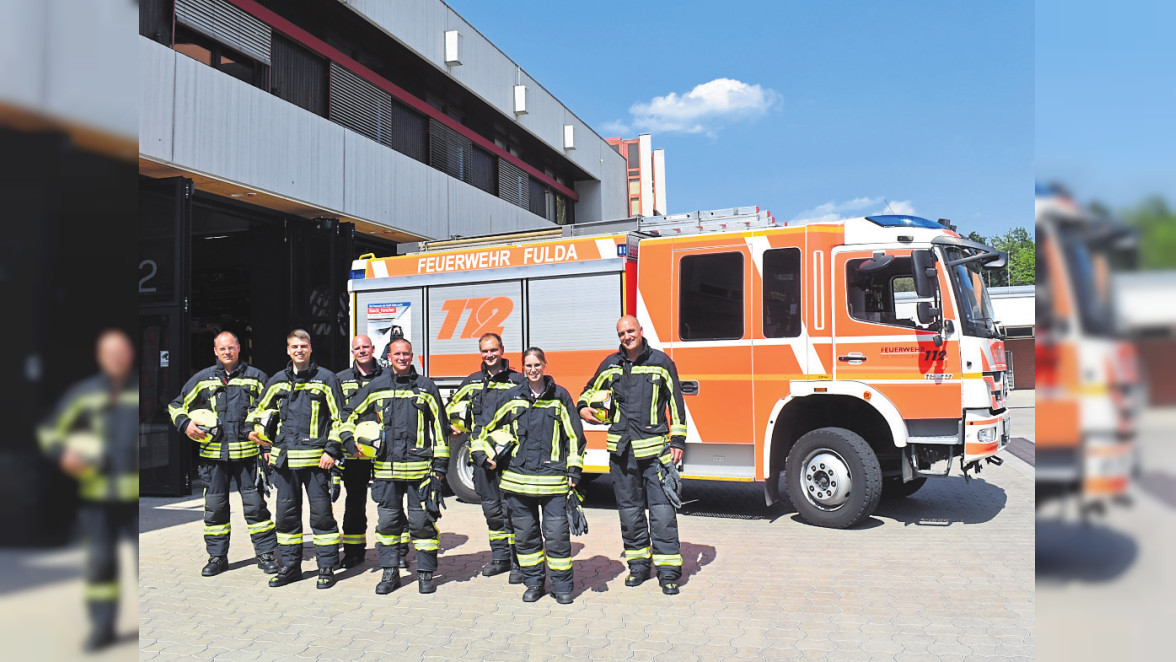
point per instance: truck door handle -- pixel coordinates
(689, 387)
(852, 356)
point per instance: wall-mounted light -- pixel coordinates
(452, 48)
(520, 99)
(569, 136)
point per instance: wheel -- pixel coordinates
(894, 488)
(461, 470)
(833, 478)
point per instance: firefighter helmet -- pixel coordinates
(602, 403)
(367, 438)
(457, 415)
(205, 420)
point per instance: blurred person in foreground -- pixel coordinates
(211, 410)
(93, 436)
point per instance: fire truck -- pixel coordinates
(1086, 372)
(856, 358)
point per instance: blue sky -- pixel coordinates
(819, 109)
(1106, 99)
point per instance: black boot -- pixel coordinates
(326, 578)
(98, 639)
(286, 575)
(425, 582)
(403, 556)
(562, 598)
(495, 568)
(215, 566)
(669, 586)
(353, 556)
(516, 573)
(267, 563)
(637, 576)
(390, 581)
(533, 593)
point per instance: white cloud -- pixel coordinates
(862, 206)
(703, 109)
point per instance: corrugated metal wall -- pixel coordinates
(299, 76)
(360, 106)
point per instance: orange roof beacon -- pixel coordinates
(858, 357)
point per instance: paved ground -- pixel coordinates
(1105, 585)
(946, 574)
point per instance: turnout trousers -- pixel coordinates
(393, 524)
(218, 477)
(536, 541)
(655, 539)
(317, 484)
(356, 476)
(102, 524)
(496, 512)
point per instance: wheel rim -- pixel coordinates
(465, 466)
(825, 479)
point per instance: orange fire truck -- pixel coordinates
(857, 357)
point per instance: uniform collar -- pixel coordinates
(646, 350)
(502, 376)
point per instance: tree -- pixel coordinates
(1021, 267)
(1156, 224)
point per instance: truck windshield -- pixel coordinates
(1091, 287)
(976, 315)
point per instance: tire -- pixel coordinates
(461, 470)
(846, 474)
(894, 488)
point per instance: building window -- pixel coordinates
(219, 56)
(710, 297)
(299, 76)
(635, 207)
(634, 187)
(634, 157)
(782, 293)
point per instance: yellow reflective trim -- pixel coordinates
(405, 538)
(216, 530)
(425, 544)
(559, 563)
(354, 539)
(102, 591)
(261, 527)
(635, 554)
(667, 559)
(289, 538)
(528, 560)
(385, 539)
(314, 409)
(499, 535)
(324, 539)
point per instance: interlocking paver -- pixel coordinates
(920, 580)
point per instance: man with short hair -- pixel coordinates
(410, 444)
(308, 403)
(481, 394)
(643, 383)
(357, 470)
(228, 391)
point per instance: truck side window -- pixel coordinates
(710, 297)
(886, 296)
(782, 293)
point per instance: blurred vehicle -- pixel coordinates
(1087, 371)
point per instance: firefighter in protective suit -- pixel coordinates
(643, 385)
(546, 444)
(308, 403)
(357, 471)
(226, 393)
(411, 444)
(481, 394)
(93, 435)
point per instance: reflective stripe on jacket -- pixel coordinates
(650, 410)
(547, 444)
(232, 396)
(309, 405)
(485, 393)
(409, 411)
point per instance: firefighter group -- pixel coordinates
(380, 423)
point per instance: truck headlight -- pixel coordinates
(986, 434)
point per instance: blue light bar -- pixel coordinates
(899, 221)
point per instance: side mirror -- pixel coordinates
(925, 276)
(878, 262)
(926, 313)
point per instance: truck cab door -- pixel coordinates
(710, 342)
(878, 339)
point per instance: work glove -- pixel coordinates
(577, 523)
(336, 480)
(263, 480)
(671, 482)
(432, 491)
